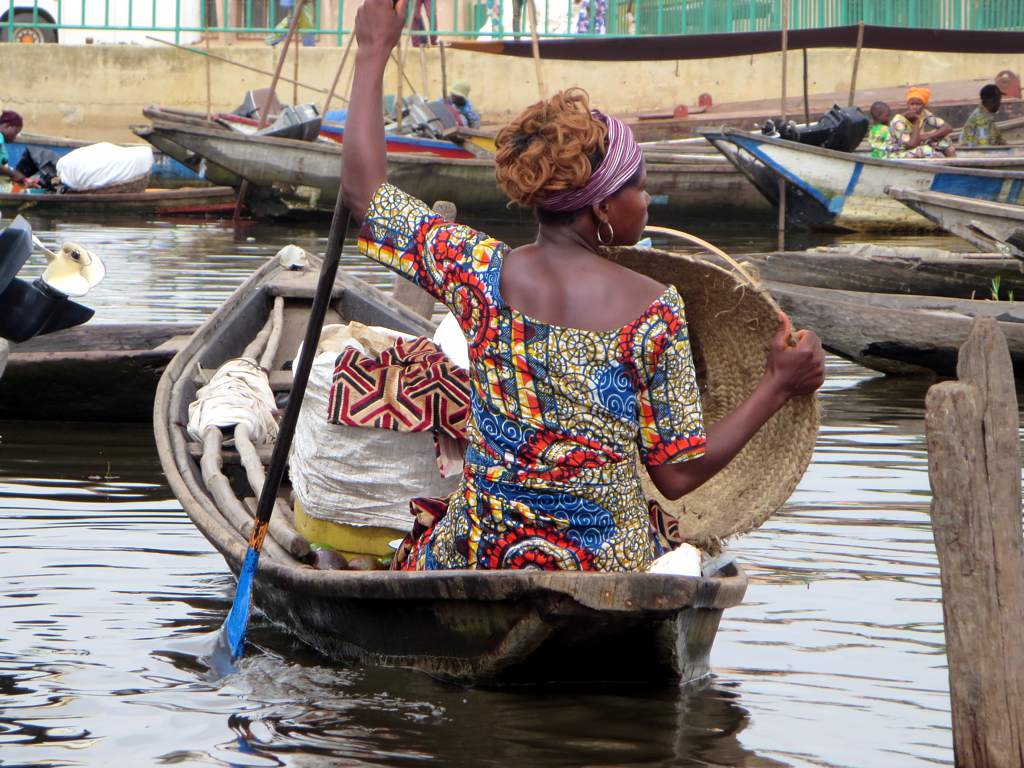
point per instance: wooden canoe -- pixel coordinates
(186, 200)
(892, 269)
(5, 348)
(895, 334)
(299, 177)
(826, 189)
(92, 372)
(167, 172)
(993, 227)
(472, 627)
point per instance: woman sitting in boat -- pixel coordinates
(578, 366)
(916, 132)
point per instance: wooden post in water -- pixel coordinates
(975, 473)
(785, 45)
(856, 62)
(535, 47)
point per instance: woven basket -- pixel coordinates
(731, 324)
(138, 184)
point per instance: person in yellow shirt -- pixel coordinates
(981, 129)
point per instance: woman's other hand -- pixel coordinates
(794, 368)
(379, 25)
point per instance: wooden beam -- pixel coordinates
(975, 473)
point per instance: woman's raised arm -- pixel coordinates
(378, 29)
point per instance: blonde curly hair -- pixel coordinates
(551, 146)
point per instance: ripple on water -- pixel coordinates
(834, 659)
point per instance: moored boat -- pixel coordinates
(993, 227)
(892, 269)
(471, 627)
(167, 172)
(826, 189)
(93, 372)
(896, 334)
(186, 200)
(299, 177)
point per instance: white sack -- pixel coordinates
(100, 165)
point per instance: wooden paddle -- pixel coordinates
(238, 618)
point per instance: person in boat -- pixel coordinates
(981, 129)
(878, 133)
(916, 132)
(10, 126)
(458, 95)
(579, 368)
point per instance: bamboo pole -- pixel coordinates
(856, 63)
(785, 45)
(209, 78)
(238, 64)
(535, 45)
(444, 70)
(337, 76)
(424, 86)
(807, 104)
(295, 73)
(781, 224)
(264, 116)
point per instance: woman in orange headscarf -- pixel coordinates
(916, 132)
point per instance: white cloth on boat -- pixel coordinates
(358, 475)
(102, 165)
(684, 560)
(293, 257)
(238, 393)
(452, 341)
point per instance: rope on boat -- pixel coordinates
(238, 393)
(211, 465)
(281, 529)
(274, 341)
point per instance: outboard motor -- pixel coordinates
(841, 128)
(29, 309)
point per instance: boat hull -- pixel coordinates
(93, 372)
(826, 189)
(303, 177)
(992, 227)
(888, 269)
(191, 200)
(467, 627)
(900, 335)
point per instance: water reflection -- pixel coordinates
(834, 659)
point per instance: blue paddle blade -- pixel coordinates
(238, 618)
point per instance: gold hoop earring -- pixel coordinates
(611, 232)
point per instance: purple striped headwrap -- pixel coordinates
(622, 158)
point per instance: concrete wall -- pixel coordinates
(97, 91)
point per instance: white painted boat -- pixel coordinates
(826, 189)
(992, 227)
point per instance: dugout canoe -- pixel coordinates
(892, 269)
(214, 201)
(299, 178)
(92, 372)
(471, 627)
(993, 227)
(896, 334)
(167, 172)
(826, 189)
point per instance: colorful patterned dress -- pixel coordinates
(901, 129)
(560, 416)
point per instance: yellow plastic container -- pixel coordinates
(349, 540)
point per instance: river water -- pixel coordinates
(835, 658)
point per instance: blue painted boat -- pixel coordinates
(167, 172)
(826, 189)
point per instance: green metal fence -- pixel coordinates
(118, 21)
